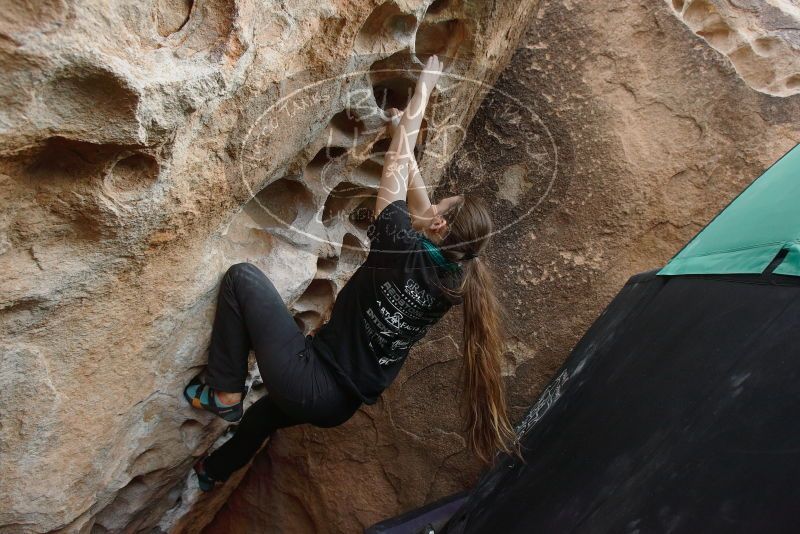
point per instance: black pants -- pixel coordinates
(300, 385)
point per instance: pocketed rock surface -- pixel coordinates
(144, 148)
(612, 137)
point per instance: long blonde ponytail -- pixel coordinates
(488, 428)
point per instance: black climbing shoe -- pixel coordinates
(205, 481)
(203, 397)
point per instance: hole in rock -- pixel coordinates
(765, 46)
(308, 321)
(317, 298)
(437, 7)
(68, 175)
(327, 166)
(793, 82)
(387, 21)
(353, 252)
(326, 155)
(442, 38)
(677, 5)
(171, 15)
(393, 80)
(279, 204)
(346, 128)
(379, 149)
(192, 434)
(362, 215)
(317, 295)
(393, 93)
(720, 37)
(325, 267)
(749, 61)
(697, 13)
(368, 174)
(68, 160)
(342, 200)
(133, 174)
(246, 238)
(211, 29)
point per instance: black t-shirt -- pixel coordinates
(389, 304)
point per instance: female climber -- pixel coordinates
(423, 259)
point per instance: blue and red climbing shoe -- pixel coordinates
(203, 397)
(205, 481)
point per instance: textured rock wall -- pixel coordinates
(145, 147)
(760, 38)
(612, 137)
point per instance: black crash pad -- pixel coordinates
(675, 413)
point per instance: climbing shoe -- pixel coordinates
(204, 480)
(203, 397)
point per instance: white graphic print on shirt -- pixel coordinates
(397, 319)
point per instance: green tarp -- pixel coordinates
(747, 235)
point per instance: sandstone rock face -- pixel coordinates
(145, 147)
(613, 136)
(760, 38)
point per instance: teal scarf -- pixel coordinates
(437, 256)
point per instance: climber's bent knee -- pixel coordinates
(241, 268)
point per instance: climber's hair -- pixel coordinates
(487, 425)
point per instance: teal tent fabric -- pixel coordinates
(747, 235)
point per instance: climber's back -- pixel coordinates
(388, 304)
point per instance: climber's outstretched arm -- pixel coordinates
(399, 158)
(418, 200)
